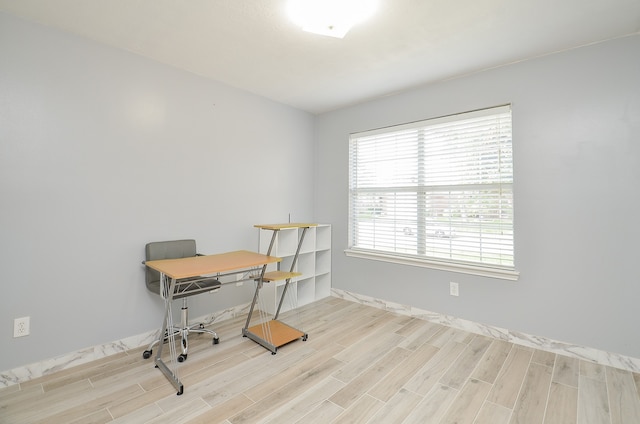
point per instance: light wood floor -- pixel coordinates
(360, 365)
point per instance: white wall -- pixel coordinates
(102, 151)
(576, 138)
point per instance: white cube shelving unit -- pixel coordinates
(314, 263)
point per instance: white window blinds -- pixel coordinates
(440, 189)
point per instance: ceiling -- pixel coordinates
(252, 45)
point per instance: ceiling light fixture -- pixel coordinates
(330, 17)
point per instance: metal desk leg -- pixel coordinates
(168, 300)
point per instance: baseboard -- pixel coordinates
(79, 357)
(574, 351)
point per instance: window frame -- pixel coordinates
(422, 259)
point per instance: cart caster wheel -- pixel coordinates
(273, 353)
(147, 354)
(304, 338)
(182, 357)
(216, 340)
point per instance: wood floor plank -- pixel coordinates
(324, 330)
(9, 390)
(359, 385)
(359, 357)
(532, 400)
(542, 357)
(421, 336)
(16, 396)
(466, 363)
(106, 366)
(566, 371)
(308, 401)
(258, 371)
(78, 372)
(398, 408)
(366, 327)
(410, 327)
(562, 406)
(142, 371)
(368, 333)
(264, 407)
(507, 386)
(214, 366)
(592, 371)
(492, 413)
(142, 415)
(130, 405)
(234, 380)
(450, 334)
(428, 376)
(323, 414)
(45, 404)
(221, 413)
(393, 382)
(98, 400)
(360, 411)
(593, 404)
(467, 404)
(433, 407)
(624, 402)
(182, 413)
(491, 363)
(263, 389)
(101, 416)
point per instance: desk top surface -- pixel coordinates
(210, 264)
(284, 226)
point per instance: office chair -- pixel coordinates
(177, 249)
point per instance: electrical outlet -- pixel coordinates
(453, 289)
(21, 327)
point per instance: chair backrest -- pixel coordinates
(173, 249)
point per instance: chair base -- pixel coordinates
(183, 331)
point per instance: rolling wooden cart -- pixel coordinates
(274, 333)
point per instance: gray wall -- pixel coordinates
(102, 151)
(576, 138)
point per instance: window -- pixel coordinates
(435, 193)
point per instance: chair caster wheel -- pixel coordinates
(216, 340)
(201, 326)
(182, 357)
(147, 354)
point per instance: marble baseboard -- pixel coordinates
(49, 366)
(574, 351)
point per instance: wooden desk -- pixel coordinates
(277, 227)
(172, 271)
(210, 264)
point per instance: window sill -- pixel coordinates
(501, 273)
